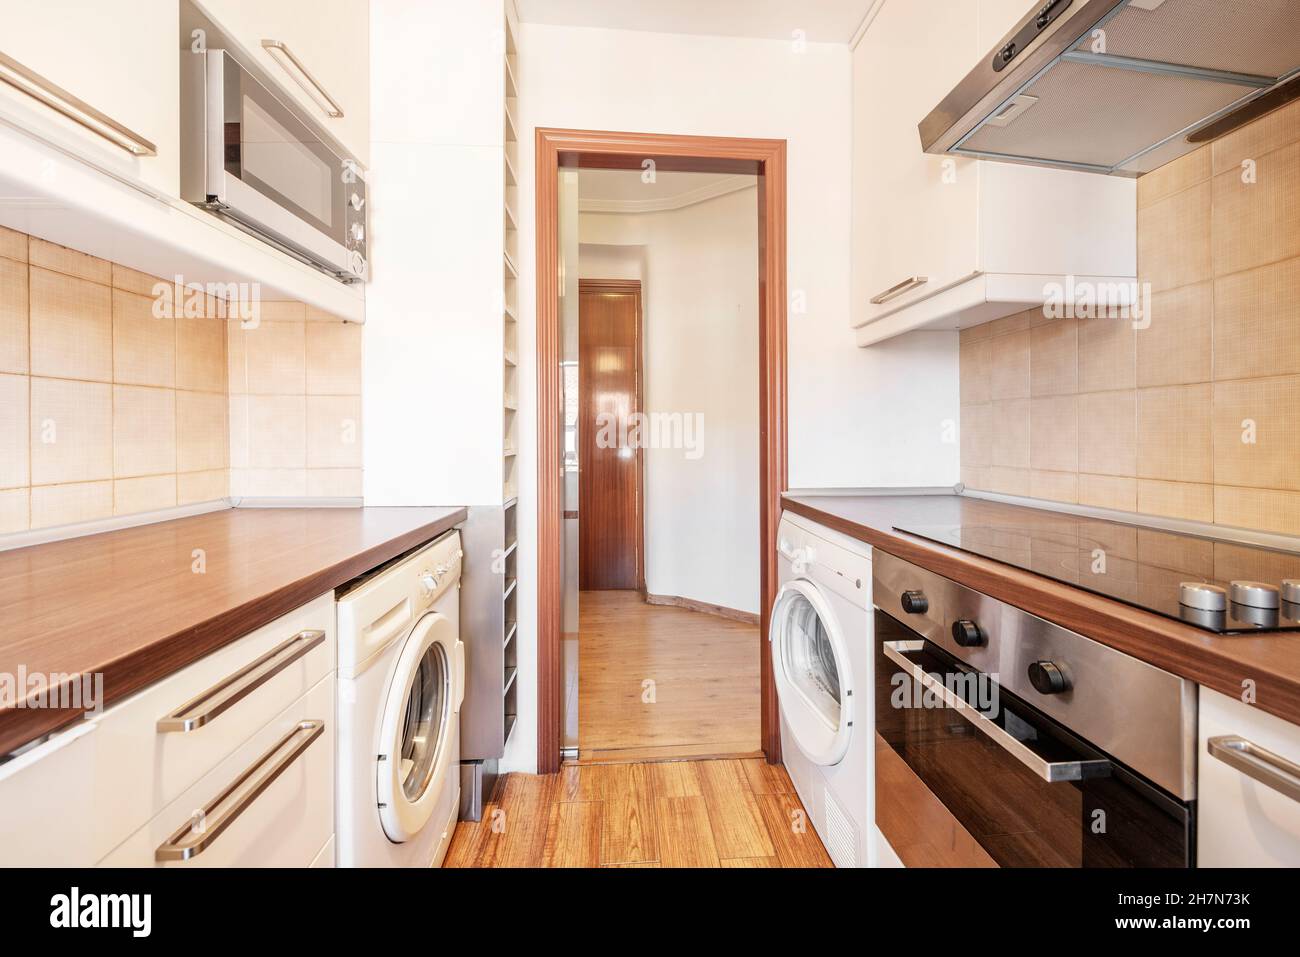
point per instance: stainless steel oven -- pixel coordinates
(250, 156)
(1006, 740)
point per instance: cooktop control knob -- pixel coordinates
(1202, 596)
(1047, 678)
(1256, 594)
(915, 603)
(1291, 590)
(967, 634)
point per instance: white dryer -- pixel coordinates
(820, 636)
(401, 680)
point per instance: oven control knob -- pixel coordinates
(1047, 678)
(915, 603)
(968, 634)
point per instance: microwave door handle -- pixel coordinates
(1049, 771)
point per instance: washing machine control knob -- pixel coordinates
(428, 583)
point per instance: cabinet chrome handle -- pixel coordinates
(201, 709)
(1049, 771)
(302, 76)
(73, 107)
(1263, 765)
(197, 834)
(893, 292)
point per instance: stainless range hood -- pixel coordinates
(1121, 87)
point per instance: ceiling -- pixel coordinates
(822, 21)
(605, 190)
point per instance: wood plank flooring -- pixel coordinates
(720, 813)
(658, 681)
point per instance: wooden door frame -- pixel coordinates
(632, 286)
(589, 149)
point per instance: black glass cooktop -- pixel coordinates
(1145, 567)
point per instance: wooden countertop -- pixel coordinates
(129, 604)
(1221, 662)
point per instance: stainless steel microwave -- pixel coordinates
(250, 156)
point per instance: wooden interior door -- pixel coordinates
(609, 472)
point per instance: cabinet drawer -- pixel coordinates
(46, 810)
(1245, 821)
(140, 769)
(270, 804)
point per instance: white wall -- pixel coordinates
(700, 317)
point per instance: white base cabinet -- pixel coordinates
(1244, 821)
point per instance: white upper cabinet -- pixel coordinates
(944, 241)
(324, 55)
(119, 60)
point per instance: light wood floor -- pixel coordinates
(726, 813)
(704, 699)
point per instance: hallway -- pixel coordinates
(660, 681)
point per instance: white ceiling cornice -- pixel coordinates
(732, 184)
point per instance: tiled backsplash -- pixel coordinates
(1196, 416)
(106, 409)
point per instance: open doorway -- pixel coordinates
(646, 650)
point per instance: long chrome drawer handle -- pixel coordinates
(893, 292)
(73, 107)
(198, 833)
(201, 709)
(302, 76)
(1263, 765)
(1050, 771)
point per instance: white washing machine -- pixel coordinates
(401, 680)
(822, 662)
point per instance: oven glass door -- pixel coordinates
(1006, 785)
(273, 153)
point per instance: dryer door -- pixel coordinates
(415, 736)
(814, 679)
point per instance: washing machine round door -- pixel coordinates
(810, 663)
(415, 749)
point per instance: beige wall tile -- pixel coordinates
(193, 487)
(1175, 347)
(333, 432)
(1009, 374)
(975, 477)
(1256, 317)
(1256, 223)
(71, 327)
(13, 245)
(134, 281)
(1108, 491)
(68, 504)
(1176, 500)
(276, 358)
(1055, 486)
(975, 333)
(1174, 177)
(1054, 433)
(144, 346)
(236, 359)
(1174, 239)
(1277, 511)
(1257, 433)
(202, 431)
(1020, 322)
(976, 359)
(1174, 433)
(15, 515)
(13, 316)
(71, 431)
(268, 483)
(977, 435)
(1273, 131)
(333, 358)
(69, 261)
(1054, 358)
(1010, 423)
(282, 310)
(277, 432)
(144, 431)
(1107, 355)
(1108, 433)
(1008, 481)
(334, 483)
(201, 355)
(239, 431)
(15, 432)
(147, 494)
